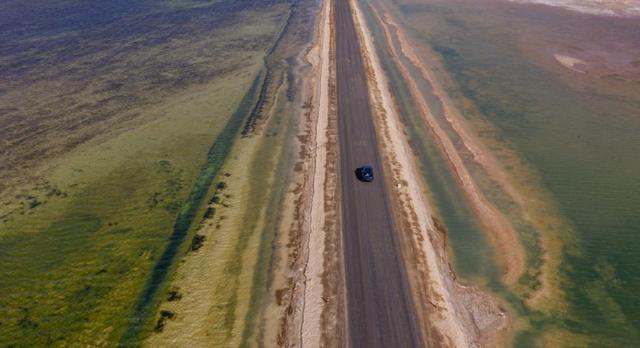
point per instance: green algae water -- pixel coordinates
(187, 215)
(584, 145)
(121, 103)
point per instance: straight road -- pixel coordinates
(380, 311)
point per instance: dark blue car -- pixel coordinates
(365, 173)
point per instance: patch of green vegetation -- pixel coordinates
(76, 274)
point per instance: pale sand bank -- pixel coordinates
(597, 7)
(314, 303)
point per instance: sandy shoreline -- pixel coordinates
(311, 329)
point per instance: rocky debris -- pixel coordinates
(165, 315)
(197, 242)
(211, 211)
(174, 295)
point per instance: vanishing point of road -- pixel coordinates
(380, 311)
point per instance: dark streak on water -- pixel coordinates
(215, 158)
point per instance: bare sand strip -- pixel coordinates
(571, 63)
(463, 316)
(311, 330)
(617, 8)
(316, 316)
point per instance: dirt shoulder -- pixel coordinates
(320, 313)
(315, 316)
